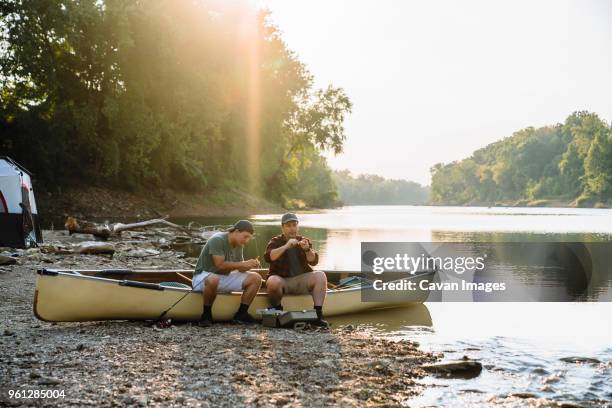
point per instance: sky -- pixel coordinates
(432, 81)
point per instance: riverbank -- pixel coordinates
(540, 203)
(554, 203)
(136, 364)
(99, 202)
(104, 203)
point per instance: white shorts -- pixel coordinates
(227, 283)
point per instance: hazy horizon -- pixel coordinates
(433, 81)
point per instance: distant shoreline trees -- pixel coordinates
(570, 161)
(368, 189)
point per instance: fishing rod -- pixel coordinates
(161, 316)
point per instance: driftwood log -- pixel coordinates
(7, 260)
(105, 231)
(94, 248)
(86, 248)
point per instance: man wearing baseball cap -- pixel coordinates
(291, 257)
(221, 268)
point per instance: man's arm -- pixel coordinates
(271, 245)
(276, 253)
(311, 256)
(218, 258)
(226, 266)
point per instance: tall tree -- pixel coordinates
(195, 95)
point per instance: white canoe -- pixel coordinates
(86, 295)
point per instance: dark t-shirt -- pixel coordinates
(295, 266)
(282, 266)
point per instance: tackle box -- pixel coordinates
(288, 319)
(269, 317)
(279, 318)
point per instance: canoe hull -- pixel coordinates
(64, 297)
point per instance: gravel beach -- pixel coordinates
(133, 363)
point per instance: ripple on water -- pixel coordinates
(517, 373)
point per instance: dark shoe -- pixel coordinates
(243, 318)
(320, 323)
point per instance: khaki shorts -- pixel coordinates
(297, 285)
(231, 282)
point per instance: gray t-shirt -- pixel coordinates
(219, 245)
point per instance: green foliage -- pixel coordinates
(598, 167)
(367, 189)
(316, 124)
(567, 161)
(194, 95)
(316, 185)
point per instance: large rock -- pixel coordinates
(7, 260)
(573, 359)
(455, 369)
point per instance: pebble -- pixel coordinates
(49, 381)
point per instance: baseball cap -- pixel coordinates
(288, 217)
(242, 225)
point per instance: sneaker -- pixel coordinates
(320, 323)
(243, 318)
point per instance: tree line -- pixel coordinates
(570, 161)
(368, 189)
(195, 95)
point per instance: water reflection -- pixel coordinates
(425, 219)
(388, 321)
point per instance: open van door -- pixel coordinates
(19, 222)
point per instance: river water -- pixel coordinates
(519, 344)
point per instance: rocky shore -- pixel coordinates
(134, 363)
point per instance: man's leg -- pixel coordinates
(209, 293)
(314, 283)
(317, 285)
(250, 286)
(274, 287)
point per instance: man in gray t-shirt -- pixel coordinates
(221, 268)
(218, 245)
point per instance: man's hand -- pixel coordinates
(292, 243)
(250, 264)
(305, 245)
